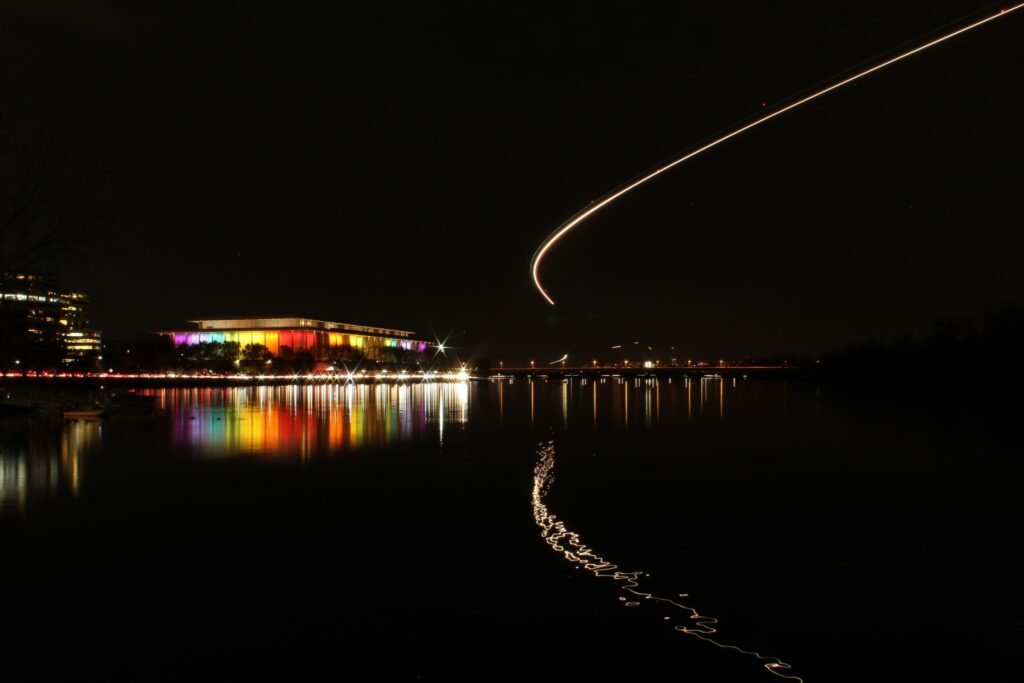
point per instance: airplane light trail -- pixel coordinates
(564, 228)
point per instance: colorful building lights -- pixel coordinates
(300, 335)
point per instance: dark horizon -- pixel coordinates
(399, 168)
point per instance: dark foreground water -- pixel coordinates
(640, 530)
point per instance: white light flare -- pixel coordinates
(538, 256)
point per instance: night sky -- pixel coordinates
(398, 166)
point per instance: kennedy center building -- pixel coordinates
(321, 338)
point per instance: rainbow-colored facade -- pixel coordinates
(318, 337)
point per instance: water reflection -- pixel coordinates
(42, 457)
(306, 420)
(614, 403)
(568, 543)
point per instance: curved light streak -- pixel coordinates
(559, 360)
(581, 216)
(568, 543)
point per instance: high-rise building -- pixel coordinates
(80, 340)
(41, 325)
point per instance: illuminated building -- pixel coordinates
(322, 339)
(79, 340)
(43, 323)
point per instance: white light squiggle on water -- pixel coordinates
(568, 543)
(538, 256)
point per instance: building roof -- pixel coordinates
(292, 323)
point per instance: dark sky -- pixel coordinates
(398, 166)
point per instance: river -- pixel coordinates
(706, 529)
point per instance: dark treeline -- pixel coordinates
(963, 373)
(974, 349)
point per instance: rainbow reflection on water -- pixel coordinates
(42, 457)
(307, 419)
(561, 539)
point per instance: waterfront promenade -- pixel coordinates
(361, 376)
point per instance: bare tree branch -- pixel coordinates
(51, 204)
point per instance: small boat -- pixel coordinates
(83, 413)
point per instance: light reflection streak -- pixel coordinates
(565, 404)
(625, 392)
(647, 403)
(721, 399)
(40, 458)
(562, 540)
(594, 207)
(531, 404)
(689, 399)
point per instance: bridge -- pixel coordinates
(693, 371)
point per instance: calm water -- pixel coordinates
(707, 530)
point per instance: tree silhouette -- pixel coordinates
(255, 352)
(51, 202)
